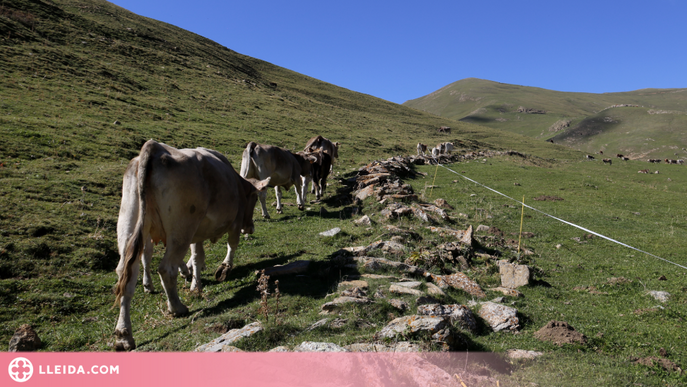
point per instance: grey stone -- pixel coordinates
(311, 346)
(399, 304)
(513, 276)
(458, 314)
(412, 325)
(331, 232)
(352, 284)
(397, 289)
(365, 221)
(334, 305)
(434, 290)
(408, 284)
(401, 346)
(223, 343)
(500, 317)
(521, 354)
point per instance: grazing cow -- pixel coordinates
(601, 152)
(421, 149)
(180, 197)
(655, 161)
(626, 158)
(618, 155)
(444, 129)
(284, 167)
(680, 161)
(671, 161)
(589, 157)
(608, 161)
(320, 171)
(643, 171)
(448, 147)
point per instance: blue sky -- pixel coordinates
(401, 50)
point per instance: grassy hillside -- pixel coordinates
(85, 83)
(569, 117)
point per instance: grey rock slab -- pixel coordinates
(458, 314)
(500, 317)
(312, 346)
(412, 325)
(234, 335)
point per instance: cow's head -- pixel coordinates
(256, 186)
(336, 150)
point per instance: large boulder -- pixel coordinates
(513, 276)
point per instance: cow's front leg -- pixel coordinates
(124, 338)
(277, 191)
(174, 256)
(225, 267)
(148, 286)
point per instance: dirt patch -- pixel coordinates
(653, 361)
(545, 198)
(559, 333)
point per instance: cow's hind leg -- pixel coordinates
(173, 258)
(124, 338)
(195, 266)
(148, 286)
(225, 267)
(277, 191)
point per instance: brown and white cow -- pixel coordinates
(284, 167)
(608, 161)
(421, 149)
(180, 197)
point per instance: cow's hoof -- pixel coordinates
(266, 216)
(183, 311)
(222, 272)
(301, 207)
(279, 211)
(149, 288)
(124, 341)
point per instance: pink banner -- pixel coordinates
(244, 369)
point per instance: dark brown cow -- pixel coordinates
(320, 171)
(608, 161)
(180, 197)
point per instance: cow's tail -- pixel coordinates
(247, 160)
(136, 242)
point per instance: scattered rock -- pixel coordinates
(311, 346)
(335, 305)
(459, 314)
(411, 325)
(443, 204)
(296, 267)
(331, 232)
(424, 300)
(521, 354)
(560, 332)
(463, 236)
(482, 227)
(338, 323)
(280, 348)
(508, 292)
(659, 295)
(662, 278)
(408, 284)
(434, 290)
(354, 292)
(375, 264)
(365, 221)
(399, 304)
(223, 343)
(401, 346)
(458, 281)
(500, 317)
(397, 289)
(352, 284)
(25, 339)
(514, 276)
(317, 324)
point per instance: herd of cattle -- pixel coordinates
(440, 149)
(182, 197)
(625, 158)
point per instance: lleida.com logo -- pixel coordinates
(20, 369)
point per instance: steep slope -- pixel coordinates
(563, 116)
(86, 83)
